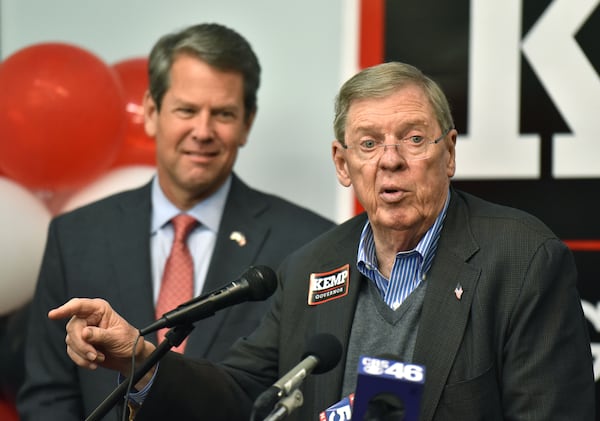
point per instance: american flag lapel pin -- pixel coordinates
(238, 237)
(458, 291)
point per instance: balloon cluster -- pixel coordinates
(71, 131)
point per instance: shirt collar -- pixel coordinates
(208, 212)
(367, 260)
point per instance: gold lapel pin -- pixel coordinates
(238, 237)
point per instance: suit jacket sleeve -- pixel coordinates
(546, 352)
(200, 390)
(515, 346)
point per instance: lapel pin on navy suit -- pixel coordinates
(238, 237)
(458, 291)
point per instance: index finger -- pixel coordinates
(79, 307)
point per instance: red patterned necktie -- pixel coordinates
(178, 277)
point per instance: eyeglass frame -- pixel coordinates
(402, 141)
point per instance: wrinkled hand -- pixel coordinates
(98, 336)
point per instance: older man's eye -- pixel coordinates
(368, 144)
(414, 140)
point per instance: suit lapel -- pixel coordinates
(336, 316)
(230, 255)
(445, 313)
(130, 254)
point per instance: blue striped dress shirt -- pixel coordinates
(410, 267)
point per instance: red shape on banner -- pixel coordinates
(138, 147)
(60, 119)
(583, 245)
(371, 47)
(372, 32)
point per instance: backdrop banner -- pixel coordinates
(523, 80)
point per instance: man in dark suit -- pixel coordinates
(200, 108)
(483, 296)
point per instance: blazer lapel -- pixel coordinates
(336, 316)
(445, 309)
(230, 255)
(130, 254)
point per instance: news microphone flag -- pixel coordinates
(387, 387)
(339, 411)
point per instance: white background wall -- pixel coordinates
(299, 44)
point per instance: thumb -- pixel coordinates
(92, 334)
(115, 341)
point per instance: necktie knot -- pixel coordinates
(183, 225)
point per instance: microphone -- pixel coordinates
(322, 353)
(388, 390)
(256, 284)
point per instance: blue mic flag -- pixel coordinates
(388, 390)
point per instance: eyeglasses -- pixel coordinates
(412, 148)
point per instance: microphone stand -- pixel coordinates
(286, 406)
(174, 337)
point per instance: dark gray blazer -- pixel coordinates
(514, 347)
(103, 250)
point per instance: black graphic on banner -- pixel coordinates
(435, 36)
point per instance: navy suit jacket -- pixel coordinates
(515, 346)
(103, 250)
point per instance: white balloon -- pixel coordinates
(114, 181)
(24, 223)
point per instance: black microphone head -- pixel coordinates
(327, 349)
(262, 282)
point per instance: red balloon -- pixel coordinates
(61, 123)
(138, 147)
(8, 411)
